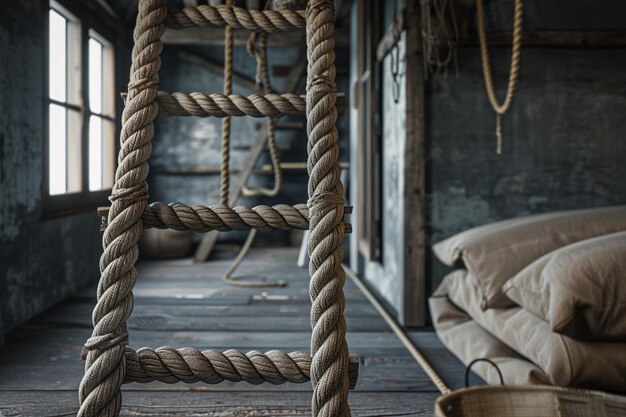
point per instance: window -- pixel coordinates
(80, 112)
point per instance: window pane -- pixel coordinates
(95, 154)
(95, 75)
(74, 151)
(108, 153)
(57, 150)
(58, 56)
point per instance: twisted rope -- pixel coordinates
(105, 367)
(189, 365)
(516, 52)
(329, 368)
(228, 89)
(221, 105)
(178, 216)
(264, 77)
(235, 17)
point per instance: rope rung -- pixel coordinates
(204, 15)
(178, 216)
(189, 365)
(220, 105)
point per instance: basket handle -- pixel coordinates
(489, 361)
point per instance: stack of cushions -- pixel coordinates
(543, 296)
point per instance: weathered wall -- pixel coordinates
(393, 275)
(564, 144)
(41, 262)
(196, 142)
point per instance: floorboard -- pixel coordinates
(180, 303)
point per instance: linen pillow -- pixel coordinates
(579, 289)
(495, 252)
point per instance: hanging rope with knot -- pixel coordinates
(226, 121)
(440, 37)
(262, 77)
(500, 109)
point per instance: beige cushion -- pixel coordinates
(564, 361)
(495, 252)
(580, 289)
(467, 340)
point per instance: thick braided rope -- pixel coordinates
(170, 365)
(237, 18)
(226, 122)
(516, 53)
(220, 105)
(179, 216)
(329, 368)
(105, 367)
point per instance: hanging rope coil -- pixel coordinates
(501, 109)
(262, 76)
(226, 122)
(440, 36)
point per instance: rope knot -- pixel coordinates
(103, 342)
(319, 6)
(138, 192)
(135, 86)
(325, 83)
(324, 202)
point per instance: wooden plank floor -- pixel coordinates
(179, 303)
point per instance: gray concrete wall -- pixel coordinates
(41, 261)
(564, 144)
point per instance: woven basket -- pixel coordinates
(528, 401)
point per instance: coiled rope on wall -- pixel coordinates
(500, 109)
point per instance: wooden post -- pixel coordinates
(414, 297)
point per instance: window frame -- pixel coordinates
(90, 25)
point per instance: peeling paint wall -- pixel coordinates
(564, 141)
(41, 262)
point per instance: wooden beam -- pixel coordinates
(215, 36)
(413, 311)
(557, 39)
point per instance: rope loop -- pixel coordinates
(135, 193)
(501, 108)
(103, 342)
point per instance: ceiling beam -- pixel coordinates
(215, 36)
